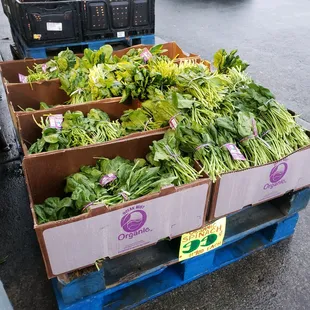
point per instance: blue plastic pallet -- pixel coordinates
(138, 277)
(41, 52)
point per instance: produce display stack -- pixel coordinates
(144, 144)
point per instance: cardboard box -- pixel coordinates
(22, 96)
(78, 242)
(236, 190)
(29, 131)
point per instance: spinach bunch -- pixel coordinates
(63, 62)
(76, 130)
(167, 155)
(207, 87)
(223, 61)
(128, 180)
(138, 120)
(54, 209)
(207, 146)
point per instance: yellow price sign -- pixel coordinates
(203, 240)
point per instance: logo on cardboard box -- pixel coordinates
(277, 174)
(133, 223)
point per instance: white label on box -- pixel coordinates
(75, 245)
(121, 34)
(54, 26)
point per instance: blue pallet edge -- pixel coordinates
(41, 52)
(158, 282)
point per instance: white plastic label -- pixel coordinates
(121, 34)
(54, 26)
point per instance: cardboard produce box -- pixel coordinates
(21, 97)
(29, 131)
(105, 232)
(236, 190)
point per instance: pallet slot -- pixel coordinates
(251, 218)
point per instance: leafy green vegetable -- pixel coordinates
(210, 111)
(166, 154)
(54, 209)
(77, 130)
(223, 61)
(133, 179)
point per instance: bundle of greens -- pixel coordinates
(63, 62)
(166, 154)
(110, 182)
(223, 61)
(137, 120)
(207, 145)
(207, 87)
(76, 130)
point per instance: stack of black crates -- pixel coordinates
(42, 23)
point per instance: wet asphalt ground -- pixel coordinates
(273, 36)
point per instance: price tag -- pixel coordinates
(106, 179)
(44, 68)
(146, 54)
(255, 131)
(56, 121)
(203, 240)
(54, 26)
(22, 78)
(173, 123)
(234, 151)
(125, 195)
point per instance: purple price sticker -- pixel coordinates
(125, 195)
(173, 123)
(255, 131)
(146, 54)
(44, 68)
(234, 151)
(56, 121)
(106, 179)
(87, 206)
(22, 78)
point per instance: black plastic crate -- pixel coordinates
(117, 18)
(42, 23)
